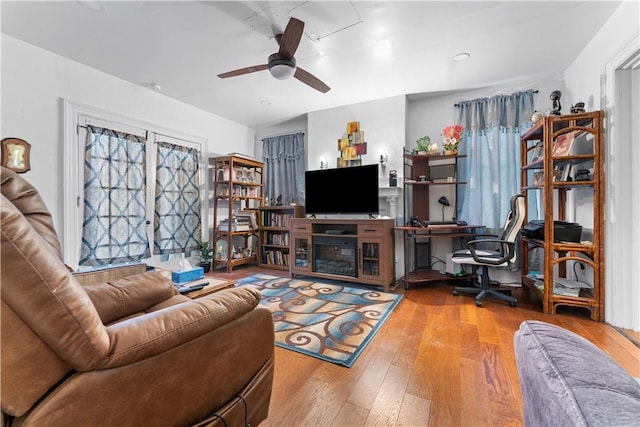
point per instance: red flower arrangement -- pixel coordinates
(452, 135)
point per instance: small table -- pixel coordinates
(212, 284)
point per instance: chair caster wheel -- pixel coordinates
(455, 293)
(478, 303)
(512, 304)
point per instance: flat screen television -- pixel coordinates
(352, 190)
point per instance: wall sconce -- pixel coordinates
(324, 164)
(384, 158)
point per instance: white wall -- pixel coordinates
(34, 82)
(383, 123)
(589, 79)
(584, 77)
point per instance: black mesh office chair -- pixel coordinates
(502, 256)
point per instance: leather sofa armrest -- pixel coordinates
(136, 339)
(131, 294)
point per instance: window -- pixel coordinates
(177, 199)
(113, 226)
(149, 190)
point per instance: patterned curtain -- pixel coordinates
(114, 227)
(283, 158)
(177, 202)
(492, 145)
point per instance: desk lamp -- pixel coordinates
(444, 202)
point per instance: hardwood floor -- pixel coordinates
(438, 360)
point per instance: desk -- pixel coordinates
(413, 234)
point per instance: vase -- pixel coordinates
(450, 152)
(206, 266)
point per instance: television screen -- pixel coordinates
(352, 190)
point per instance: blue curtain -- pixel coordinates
(492, 145)
(114, 225)
(177, 202)
(283, 158)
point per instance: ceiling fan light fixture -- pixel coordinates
(281, 68)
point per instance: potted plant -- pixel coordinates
(451, 135)
(422, 145)
(206, 254)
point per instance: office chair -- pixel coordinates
(504, 255)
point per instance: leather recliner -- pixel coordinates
(129, 352)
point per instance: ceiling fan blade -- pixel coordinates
(242, 71)
(291, 38)
(311, 80)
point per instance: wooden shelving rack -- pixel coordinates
(587, 153)
(238, 188)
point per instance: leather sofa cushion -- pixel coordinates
(123, 297)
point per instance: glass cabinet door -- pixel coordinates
(370, 258)
(301, 253)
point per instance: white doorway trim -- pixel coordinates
(622, 206)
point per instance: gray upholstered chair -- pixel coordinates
(503, 255)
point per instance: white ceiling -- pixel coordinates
(362, 50)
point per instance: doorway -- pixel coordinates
(622, 101)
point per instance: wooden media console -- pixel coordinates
(352, 250)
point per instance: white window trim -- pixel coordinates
(77, 114)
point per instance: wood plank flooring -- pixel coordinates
(438, 361)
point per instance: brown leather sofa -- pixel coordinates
(126, 352)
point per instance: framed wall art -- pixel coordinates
(15, 154)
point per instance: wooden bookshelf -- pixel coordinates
(274, 242)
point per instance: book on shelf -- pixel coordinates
(562, 286)
(275, 257)
(278, 239)
(562, 144)
(238, 223)
(272, 219)
(223, 174)
(537, 154)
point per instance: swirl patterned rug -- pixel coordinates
(332, 322)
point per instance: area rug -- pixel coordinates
(329, 321)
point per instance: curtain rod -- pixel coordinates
(534, 91)
(158, 136)
(146, 132)
(283, 134)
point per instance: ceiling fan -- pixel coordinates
(282, 64)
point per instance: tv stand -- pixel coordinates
(353, 250)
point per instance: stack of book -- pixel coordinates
(239, 223)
